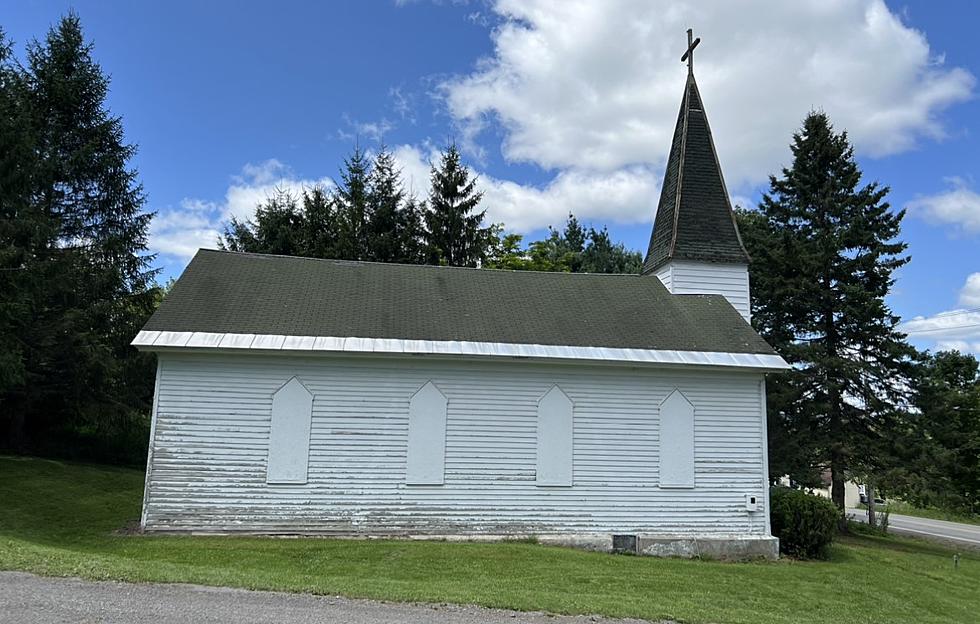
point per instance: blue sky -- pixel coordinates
(558, 105)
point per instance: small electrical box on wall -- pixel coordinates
(751, 502)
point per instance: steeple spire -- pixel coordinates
(694, 219)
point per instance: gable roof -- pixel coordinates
(227, 293)
(694, 217)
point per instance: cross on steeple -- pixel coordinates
(689, 55)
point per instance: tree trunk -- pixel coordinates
(837, 488)
(872, 521)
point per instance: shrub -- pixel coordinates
(804, 523)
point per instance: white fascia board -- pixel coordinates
(193, 341)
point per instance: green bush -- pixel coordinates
(804, 523)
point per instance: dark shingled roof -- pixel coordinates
(694, 218)
(226, 292)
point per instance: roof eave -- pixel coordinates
(159, 341)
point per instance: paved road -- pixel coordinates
(29, 599)
(938, 530)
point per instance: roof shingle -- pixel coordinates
(226, 292)
(694, 217)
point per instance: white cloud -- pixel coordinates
(626, 195)
(958, 206)
(595, 86)
(958, 345)
(373, 131)
(177, 233)
(970, 293)
(953, 329)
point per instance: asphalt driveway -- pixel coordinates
(30, 599)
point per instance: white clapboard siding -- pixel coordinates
(693, 278)
(211, 440)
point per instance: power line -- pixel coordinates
(940, 329)
(955, 313)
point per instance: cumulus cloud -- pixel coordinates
(595, 86)
(959, 206)
(626, 195)
(177, 233)
(953, 329)
(970, 293)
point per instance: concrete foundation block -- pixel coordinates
(735, 548)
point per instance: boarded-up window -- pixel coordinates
(676, 441)
(554, 438)
(426, 437)
(289, 437)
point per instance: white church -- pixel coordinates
(306, 396)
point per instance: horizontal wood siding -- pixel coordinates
(730, 280)
(211, 439)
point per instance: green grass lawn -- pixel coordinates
(905, 509)
(60, 519)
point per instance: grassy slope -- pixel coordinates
(58, 518)
(905, 509)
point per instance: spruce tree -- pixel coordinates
(22, 230)
(455, 232)
(277, 228)
(823, 254)
(319, 223)
(91, 269)
(383, 228)
(411, 229)
(351, 201)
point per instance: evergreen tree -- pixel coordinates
(22, 229)
(411, 223)
(793, 445)
(571, 250)
(384, 235)
(278, 228)
(319, 220)
(88, 262)
(455, 232)
(823, 255)
(351, 202)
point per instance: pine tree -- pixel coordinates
(92, 270)
(456, 235)
(822, 264)
(351, 201)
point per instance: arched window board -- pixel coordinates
(289, 435)
(676, 441)
(555, 439)
(426, 461)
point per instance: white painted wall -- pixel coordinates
(693, 278)
(212, 431)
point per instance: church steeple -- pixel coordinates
(695, 221)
